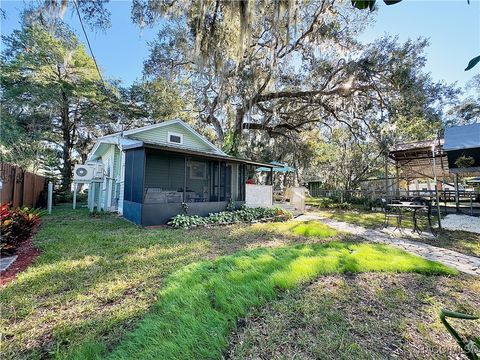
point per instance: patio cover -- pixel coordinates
(416, 161)
(277, 167)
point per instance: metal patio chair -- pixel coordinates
(392, 213)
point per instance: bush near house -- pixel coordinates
(16, 226)
(245, 214)
(328, 203)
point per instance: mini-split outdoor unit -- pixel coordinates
(88, 172)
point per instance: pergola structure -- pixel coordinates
(438, 159)
(416, 159)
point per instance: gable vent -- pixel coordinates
(175, 138)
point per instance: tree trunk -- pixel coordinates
(237, 134)
(67, 147)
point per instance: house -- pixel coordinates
(156, 172)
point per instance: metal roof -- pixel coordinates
(277, 167)
(462, 137)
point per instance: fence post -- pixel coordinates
(471, 204)
(50, 197)
(75, 186)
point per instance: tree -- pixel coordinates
(468, 110)
(318, 76)
(50, 84)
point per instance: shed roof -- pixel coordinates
(462, 137)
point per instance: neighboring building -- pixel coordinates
(152, 171)
(463, 142)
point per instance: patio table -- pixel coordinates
(415, 208)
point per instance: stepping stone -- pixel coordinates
(5, 262)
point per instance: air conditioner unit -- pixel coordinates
(83, 173)
(98, 171)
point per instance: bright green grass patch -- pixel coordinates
(309, 228)
(200, 304)
(462, 241)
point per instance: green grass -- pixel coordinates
(360, 316)
(306, 229)
(200, 304)
(462, 241)
(97, 276)
(370, 220)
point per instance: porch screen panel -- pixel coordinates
(198, 180)
(241, 182)
(134, 175)
(164, 178)
(128, 176)
(225, 181)
(214, 181)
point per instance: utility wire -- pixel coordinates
(88, 42)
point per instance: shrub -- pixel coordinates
(322, 202)
(186, 221)
(16, 226)
(67, 197)
(343, 206)
(244, 214)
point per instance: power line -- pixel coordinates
(88, 42)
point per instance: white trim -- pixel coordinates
(172, 133)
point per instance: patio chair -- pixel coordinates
(392, 213)
(427, 212)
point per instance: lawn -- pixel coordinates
(97, 276)
(462, 241)
(360, 316)
(104, 286)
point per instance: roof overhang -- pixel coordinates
(205, 155)
(103, 143)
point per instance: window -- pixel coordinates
(198, 170)
(175, 138)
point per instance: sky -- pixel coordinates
(453, 28)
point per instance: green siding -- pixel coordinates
(159, 136)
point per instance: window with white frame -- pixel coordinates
(175, 138)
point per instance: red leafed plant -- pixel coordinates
(16, 226)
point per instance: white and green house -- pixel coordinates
(156, 172)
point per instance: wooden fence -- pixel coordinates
(19, 187)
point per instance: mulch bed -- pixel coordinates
(26, 253)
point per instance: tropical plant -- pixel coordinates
(17, 225)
